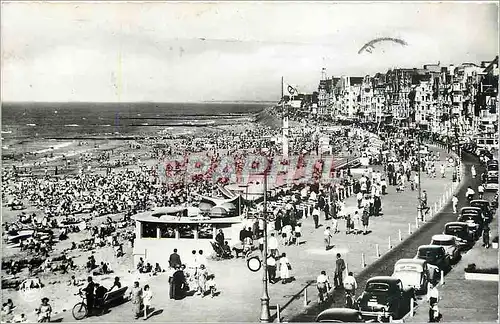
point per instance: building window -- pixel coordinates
(148, 230)
(167, 231)
(206, 231)
(186, 231)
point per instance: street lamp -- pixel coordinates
(419, 205)
(265, 315)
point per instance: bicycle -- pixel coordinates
(81, 310)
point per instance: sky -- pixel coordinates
(181, 52)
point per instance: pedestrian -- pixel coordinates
(359, 197)
(335, 225)
(469, 194)
(174, 259)
(89, 295)
(486, 237)
(202, 280)
(298, 234)
(327, 237)
(350, 284)
(432, 294)
(273, 245)
(365, 218)
(348, 223)
(271, 269)
(473, 171)
(339, 271)
(44, 311)
(146, 299)
(434, 314)
(285, 269)
(136, 299)
(442, 170)
(315, 215)
(356, 222)
(480, 191)
(454, 201)
(323, 285)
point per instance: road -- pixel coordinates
(407, 249)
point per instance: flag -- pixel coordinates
(291, 89)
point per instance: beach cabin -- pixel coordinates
(160, 231)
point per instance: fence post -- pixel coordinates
(442, 277)
(278, 315)
(411, 307)
(363, 263)
(435, 208)
(409, 228)
(389, 243)
(377, 250)
(305, 297)
(400, 237)
(416, 222)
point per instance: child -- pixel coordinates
(211, 286)
(147, 295)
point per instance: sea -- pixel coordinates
(73, 120)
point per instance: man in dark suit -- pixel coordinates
(174, 259)
(89, 295)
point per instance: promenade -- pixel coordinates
(241, 289)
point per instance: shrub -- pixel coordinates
(472, 268)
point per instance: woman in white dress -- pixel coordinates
(285, 268)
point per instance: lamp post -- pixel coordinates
(265, 315)
(419, 205)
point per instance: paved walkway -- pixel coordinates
(241, 289)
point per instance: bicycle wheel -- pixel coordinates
(79, 311)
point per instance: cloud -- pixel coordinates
(223, 51)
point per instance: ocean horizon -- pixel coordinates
(25, 120)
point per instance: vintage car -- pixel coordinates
(385, 297)
(474, 217)
(340, 315)
(485, 208)
(464, 237)
(449, 242)
(435, 255)
(413, 273)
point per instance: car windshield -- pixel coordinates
(441, 242)
(377, 286)
(457, 231)
(425, 254)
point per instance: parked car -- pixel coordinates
(340, 315)
(485, 208)
(435, 255)
(450, 245)
(474, 217)
(413, 273)
(385, 297)
(465, 238)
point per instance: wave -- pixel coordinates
(55, 147)
(32, 125)
(72, 125)
(107, 125)
(6, 132)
